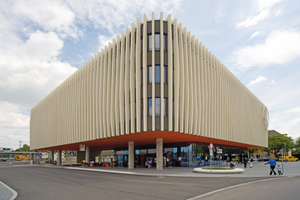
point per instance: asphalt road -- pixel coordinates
(57, 183)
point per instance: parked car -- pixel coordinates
(235, 159)
(263, 159)
(288, 158)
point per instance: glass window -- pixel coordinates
(149, 107)
(157, 73)
(165, 74)
(149, 41)
(165, 41)
(157, 41)
(157, 106)
(149, 74)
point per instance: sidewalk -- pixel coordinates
(258, 170)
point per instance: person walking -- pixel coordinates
(206, 161)
(279, 169)
(245, 162)
(251, 162)
(272, 164)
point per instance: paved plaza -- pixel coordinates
(258, 172)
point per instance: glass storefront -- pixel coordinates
(181, 156)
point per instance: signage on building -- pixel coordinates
(71, 154)
(37, 155)
(21, 157)
(120, 153)
(82, 147)
(219, 150)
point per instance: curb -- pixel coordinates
(170, 175)
(214, 171)
(15, 194)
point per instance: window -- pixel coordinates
(165, 41)
(149, 42)
(149, 74)
(165, 74)
(157, 42)
(157, 107)
(157, 73)
(149, 107)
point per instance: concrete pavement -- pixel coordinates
(258, 170)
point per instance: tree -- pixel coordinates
(296, 149)
(276, 143)
(25, 148)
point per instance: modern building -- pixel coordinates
(152, 89)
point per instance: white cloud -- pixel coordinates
(48, 14)
(257, 80)
(280, 47)
(13, 125)
(263, 8)
(114, 14)
(43, 46)
(254, 34)
(104, 40)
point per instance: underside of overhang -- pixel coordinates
(149, 139)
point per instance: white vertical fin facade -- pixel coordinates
(155, 77)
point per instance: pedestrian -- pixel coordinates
(245, 162)
(272, 164)
(206, 160)
(149, 163)
(251, 162)
(168, 162)
(83, 163)
(279, 169)
(146, 163)
(232, 164)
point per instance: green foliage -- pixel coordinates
(296, 149)
(276, 142)
(25, 148)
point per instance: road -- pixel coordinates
(57, 183)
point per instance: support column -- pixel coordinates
(159, 154)
(52, 157)
(87, 154)
(130, 155)
(59, 157)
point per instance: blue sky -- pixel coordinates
(43, 42)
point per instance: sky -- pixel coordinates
(43, 42)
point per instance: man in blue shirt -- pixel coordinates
(272, 164)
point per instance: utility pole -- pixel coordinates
(20, 145)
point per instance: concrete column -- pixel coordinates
(52, 156)
(87, 154)
(59, 157)
(130, 155)
(159, 154)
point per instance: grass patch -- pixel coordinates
(217, 168)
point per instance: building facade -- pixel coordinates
(153, 85)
